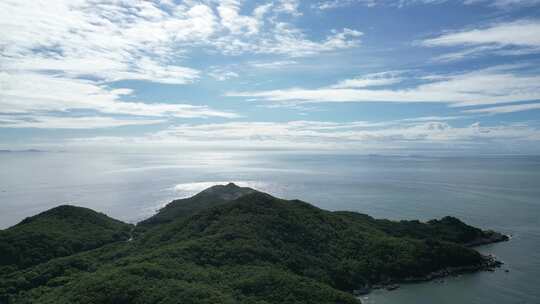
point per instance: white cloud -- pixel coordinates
(142, 40)
(370, 80)
(105, 40)
(317, 135)
(285, 39)
(221, 74)
(466, 53)
(289, 6)
(518, 33)
(61, 55)
(508, 38)
(229, 12)
(272, 64)
(506, 109)
(488, 86)
(332, 4)
(432, 118)
(503, 4)
(31, 92)
(268, 30)
(64, 55)
(52, 122)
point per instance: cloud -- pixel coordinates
(113, 40)
(285, 39)
(63, 55)
(505, 3)
(289, 7)
(52, 122)
(518, 33)
(332, 4)
(66, 55)
(432, 118)
(268, 30)
(508, 38)
(232, 20)
(370, 80)
(272, 64)
(506, 109)
(488, 86)
(105, 40)
(467, 53)
(122, 33)
(502, 4)
(320, 135)
(31, 92)
(221, 74)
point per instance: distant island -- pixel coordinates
(228, 244)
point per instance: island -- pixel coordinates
(228, 244)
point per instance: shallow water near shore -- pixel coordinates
(499, 193)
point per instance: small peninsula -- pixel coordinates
(228, 244)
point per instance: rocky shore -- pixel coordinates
(490, 238)
(490, 263)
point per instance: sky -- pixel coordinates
(358, 76)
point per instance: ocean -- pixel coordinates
(492, 192)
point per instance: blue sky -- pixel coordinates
(361, 76)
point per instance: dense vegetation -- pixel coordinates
(205, 199)
(246, 247)
(58, 232)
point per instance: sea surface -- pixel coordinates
(500, 193)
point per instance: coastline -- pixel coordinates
(494, 237)
(490, 263)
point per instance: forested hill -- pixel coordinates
(213, 196)
(58, 232)
(237, 245)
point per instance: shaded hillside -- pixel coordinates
(249, 248)
(58, 232)
(448, 229)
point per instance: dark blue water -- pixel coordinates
(500, 193)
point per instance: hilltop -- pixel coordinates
(61, 231)
(210, 197)
(229, 244)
